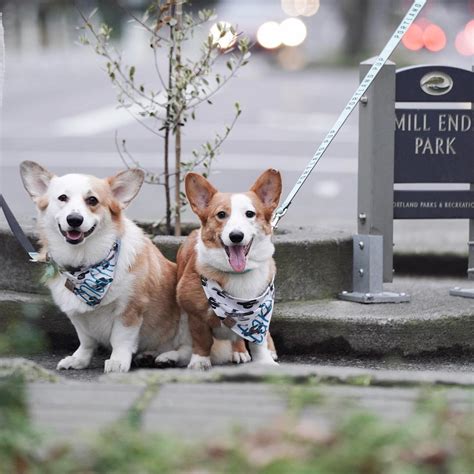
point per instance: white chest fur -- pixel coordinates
(97, 321)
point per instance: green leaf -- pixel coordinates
(92, 13)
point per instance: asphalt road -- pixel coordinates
(59, 109)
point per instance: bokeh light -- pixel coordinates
(300, 7)
(465, 40)
(293, 32)
(289, 7)
(434, 38)
(269, 35)
(307, 7)
(222, 34)
(413, 38)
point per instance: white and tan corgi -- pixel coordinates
(115, 286)
(226, 269)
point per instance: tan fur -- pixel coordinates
(154, 298)
(190, 294)
(192, 299)
(42, 203)
(152, 302)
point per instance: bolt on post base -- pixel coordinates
(367, 274)
(368, 298)
(464, 292)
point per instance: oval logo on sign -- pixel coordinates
(436, 83)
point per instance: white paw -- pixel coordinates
(167, 358)
(116, 365)
(199, 362)
(241, 357)
(71, 362)
(268, 361)
(274, 355)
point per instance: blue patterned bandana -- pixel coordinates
(90, 284)
(249, 319)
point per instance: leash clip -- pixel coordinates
(277, 216)
(34, 257)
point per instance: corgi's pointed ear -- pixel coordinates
(268, 188)
(126, 184)
(35, 178)
(199, 192)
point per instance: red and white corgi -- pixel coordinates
(226, 269)
(115, 286)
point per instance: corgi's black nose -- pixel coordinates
(236, 236)
(74, 219)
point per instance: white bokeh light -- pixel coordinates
(307, 7)
(269, 35)
(289, 7)
(222, 35)
(300, 7)
(293, 32)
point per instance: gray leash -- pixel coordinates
(361, 90)
(12, 222)
(18, 231)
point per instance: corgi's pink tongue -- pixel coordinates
(237, 257)
(73, 234)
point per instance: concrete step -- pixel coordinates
(311, 263)
(433, 321)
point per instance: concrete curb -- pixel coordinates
(295, 373)
(311, 264)
(432, 322)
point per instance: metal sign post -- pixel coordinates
(372, 246)
(399, 145)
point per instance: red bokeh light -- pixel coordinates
(413, 38)
(469, 30)
(434, 38)
(464, 44)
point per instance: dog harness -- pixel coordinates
(249, 319)
(91, 284)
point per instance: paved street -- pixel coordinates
(59, 109)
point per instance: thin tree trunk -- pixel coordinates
(167, 137)
(177, 195)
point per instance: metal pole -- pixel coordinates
(470, 264)
(2, 75)
(376, 160)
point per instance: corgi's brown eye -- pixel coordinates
(62, 198)
(250, 214)
(92, 201)
(221, 215)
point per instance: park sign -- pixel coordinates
(416, 132)
(434, 145)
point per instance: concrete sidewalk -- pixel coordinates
(196, 406)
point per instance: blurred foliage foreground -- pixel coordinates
(436, 439)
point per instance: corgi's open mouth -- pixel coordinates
(75, 236)
(237, 255)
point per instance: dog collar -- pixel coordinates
(249, 319)
(89, 284)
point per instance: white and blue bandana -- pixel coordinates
(91, 284)
(249, 319)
